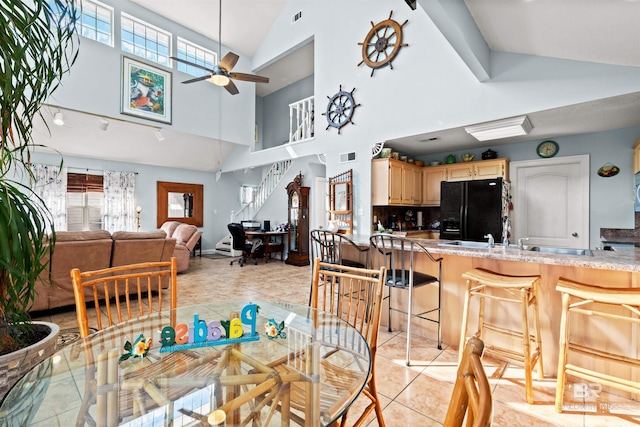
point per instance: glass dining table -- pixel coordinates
(223, 363)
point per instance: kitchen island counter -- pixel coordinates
(619, 268)
(621, 259)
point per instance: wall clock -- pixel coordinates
(340, 109)
(382, 43)
(547, 149)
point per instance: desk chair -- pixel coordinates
(240, 244)
(400, 256)
(472, 392)
(592, 309)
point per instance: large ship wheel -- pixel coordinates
(382, 43)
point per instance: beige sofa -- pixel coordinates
(186, 236)
(94, 250)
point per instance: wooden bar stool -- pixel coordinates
(522, 290)
(620, 308)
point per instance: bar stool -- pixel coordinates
(522, 290)
(621, 306)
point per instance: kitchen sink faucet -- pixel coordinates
(492, 242)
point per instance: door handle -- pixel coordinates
(574, 234)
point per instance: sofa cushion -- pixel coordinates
(169, 227)
(183, 233)
(138, 235)
(74, 236)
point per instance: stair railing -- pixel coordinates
(270, 181)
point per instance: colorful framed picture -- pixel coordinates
(146, 91)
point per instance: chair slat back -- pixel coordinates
(123, 293)
(472, 391)
(398, 254)
(353, 294)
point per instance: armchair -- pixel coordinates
(186, 236)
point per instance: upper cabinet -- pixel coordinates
(482, 169)
(394, 182)
(636, 156)
(432, 176)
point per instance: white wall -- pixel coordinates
(430, 87)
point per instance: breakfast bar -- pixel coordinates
(619, 268)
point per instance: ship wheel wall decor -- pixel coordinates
(382, 43)
(340, 109)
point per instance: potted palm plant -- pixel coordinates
(38, 45)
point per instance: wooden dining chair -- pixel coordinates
(354, 295)
(471, 395)
(123, 293)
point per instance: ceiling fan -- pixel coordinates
(221, 74)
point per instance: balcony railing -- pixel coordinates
(301, 120)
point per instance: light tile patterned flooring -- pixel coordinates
(411, 396)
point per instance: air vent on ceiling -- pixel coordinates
(348, 157)
(296, 17)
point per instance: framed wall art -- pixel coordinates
(146, 91)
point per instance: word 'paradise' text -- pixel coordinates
(199, 333)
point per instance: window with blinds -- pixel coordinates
(85, 202)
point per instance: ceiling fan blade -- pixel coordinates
(192, 64)
(231, 88)
(249, 77)
(229, 61)
(197, 79)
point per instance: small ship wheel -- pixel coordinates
(340, 109)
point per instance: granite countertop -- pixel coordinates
(622, 259)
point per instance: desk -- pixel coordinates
(270, 242)
(86, 380)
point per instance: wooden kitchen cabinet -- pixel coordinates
(636, 156)
(482, 169)
(395, 183)
(432, 176)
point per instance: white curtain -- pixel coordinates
(119, 201)
(51, 186)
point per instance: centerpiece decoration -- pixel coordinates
(201, 333)
(273, 329)
(140, 348)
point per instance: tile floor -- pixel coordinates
(411, 396)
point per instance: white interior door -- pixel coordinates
(321, 204)
(551, 201)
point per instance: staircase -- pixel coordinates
(270, 181)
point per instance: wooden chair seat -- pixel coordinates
(600, 361)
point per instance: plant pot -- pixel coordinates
(14, 366)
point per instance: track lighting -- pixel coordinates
(104, 124)
(159, 135)
(58, 119)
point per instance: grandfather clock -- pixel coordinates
(298, 239)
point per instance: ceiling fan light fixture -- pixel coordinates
(219, 80)
(515, 126)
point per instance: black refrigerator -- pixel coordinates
(469, 210)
